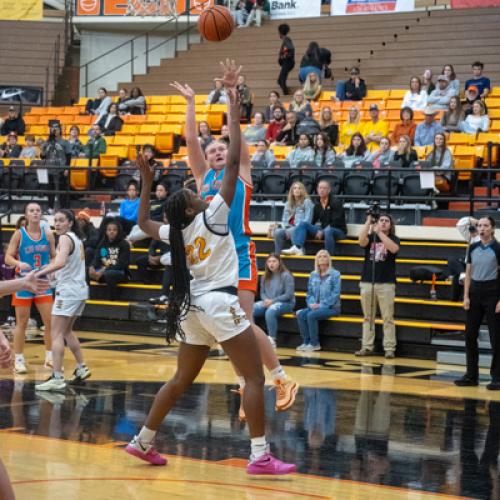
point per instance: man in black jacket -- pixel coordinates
(14, 123)
(328, 223)
(286, 58)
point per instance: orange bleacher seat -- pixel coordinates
(79, 174)
(31, 119)
(494, 113)
(493, 102)
(217, 108)
(459, 138)
(171, 128)
(39, 110)
(483, 139)
(83, 119)
(123, 140)
(67, 110)
(495, 126)
(393, 105)
(352, 104)
(37, 129)
(164, 142)
(67, 120)
(495, 92)
(82, 101)
(215, 120)
(109, 160)
(328, 103)
(397, 93)
(134, 118)
(119, 151)
(147, 128)
(141, 139)
(366, 103)
(394, 114)
(129, 129)
(465, 157)
(155, 118)
(377, 94)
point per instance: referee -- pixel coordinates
(482, 297)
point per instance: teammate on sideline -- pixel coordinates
(31, 248)
(208, 169)
(205, 310)
(37, 287)
(71, 293)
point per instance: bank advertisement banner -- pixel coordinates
(288, 9)
(342, 7)
(473, 4)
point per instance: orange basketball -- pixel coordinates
(215, 23)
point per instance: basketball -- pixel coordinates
(215, 24)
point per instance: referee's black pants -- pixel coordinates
(483, 300)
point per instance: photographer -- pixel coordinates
(378, 280)
(55, 152)
(482, 298)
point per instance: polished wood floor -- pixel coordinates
(367, 429)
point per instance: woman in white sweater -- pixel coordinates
(416, 97)
(477, 121)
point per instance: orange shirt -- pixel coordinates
(402, 129)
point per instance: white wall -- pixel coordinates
(94, 43)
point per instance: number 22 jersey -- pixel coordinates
(210, 249)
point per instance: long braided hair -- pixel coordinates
(179, 294)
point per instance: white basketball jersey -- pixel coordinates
(210, 249)
(71, 284)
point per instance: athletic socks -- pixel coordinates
(48, 356)
(278, 373)
(146, 435)
(58, 375)
(19, 358)
(258, 447)
(241, 381)
(81, 365)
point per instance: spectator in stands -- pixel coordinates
(356, 152)
(378, 238)
(286, 57)
(425, 131)
(122, 97)
(384, 154)
(324, 154)
(288, 135)
(90, 238)
(149, 264)
(298, 208)
(245, 98)
(300, 106)
(259, 9)
(240, 13)
(374, 129)
(440, 98)
(13, 123)
(441, 158)
(129, 208)
(204, 134)
(452, 118)
(10, 149)
(328, 125)
(454, 82)
(302, 152)
(479, 81)
(353, 89)
(133, 105)
(311, 62)
(312, 87)
(477, 121)
(30, 150)
(263, 154)
(256, 132)
(277, 295)
(75, 146)
(405, 127)
(328, 222)
(111, 122)
(350, 126)
(276, 124)
(218, 94)
(99, 106)
(405, 154)
(416, 97)
(427, 83)
(96, 145)
(325, 56)
(323, 301)
(274, 102)
(111, 259)
(224, 135)
(471, 96)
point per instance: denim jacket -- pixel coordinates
(326, 291)
(303, 213)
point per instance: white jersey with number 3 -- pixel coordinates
(70, 279)
(210, 249)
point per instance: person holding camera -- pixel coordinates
(378, 280)
(482, 298)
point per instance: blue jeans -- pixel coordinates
(303, 72)
(271, 314)
(340, 90)
(308, 323)
(280, 237)
(330, 234)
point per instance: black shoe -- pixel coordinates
(493, 386)
(467, 381)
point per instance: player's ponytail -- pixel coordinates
(179, 294)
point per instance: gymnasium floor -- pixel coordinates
(358, 430)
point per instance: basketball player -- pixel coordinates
(205, 310)
(37, 287)
(71, 293)
(30, 248)
(208, 169)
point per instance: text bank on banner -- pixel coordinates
(342, 7)
(281, 9)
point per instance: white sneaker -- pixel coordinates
(20, 367)
(80, 374)
(302, 347)
(52, 384)
(316, 347)
(293, 250)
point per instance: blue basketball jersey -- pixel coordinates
(36, 253)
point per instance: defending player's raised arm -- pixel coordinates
(197, 161)
(150, 227)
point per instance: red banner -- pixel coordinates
(473, 4)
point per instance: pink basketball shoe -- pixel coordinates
(145, 452)
(268, 464)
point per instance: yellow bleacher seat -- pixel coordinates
(82, 101)
(174, 119)
(459, 138)
(172, 128)
(110, 140)
(164, 142)
(493, 103)
(377, 94)
(161, 109)
(109, 160)
(421, 151)
(177, 109)
(393, 104)
(484, 138)
(394, 114)
(326, 95)
(494, 113)
(79, 174)
(176, 100)
(200, 99)
(158, 99)
(155, 118)
(221, 108)
(147, 128)
(134, 118)
(465, 157)
(38, 129)
(67, 110)
(67, 120)
(280, 152)
(83, 119)
(31, 119)
(142, 139)
(215, 120)
(120, 151)
(202, 108)
(129, 129)
(38, 110)
(495, 126)
(366, 103)
(123, 140)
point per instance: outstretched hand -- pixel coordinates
(234, 96)
(231, 73)
(35, 283)
(185, 90)
(147, 172)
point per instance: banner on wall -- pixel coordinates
(139, 8)
(473, 4)
(294, 8)
(342, 7)
(21, 10)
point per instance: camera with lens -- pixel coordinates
(374, 211)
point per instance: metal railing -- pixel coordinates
(145, 36)
(53, 71)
